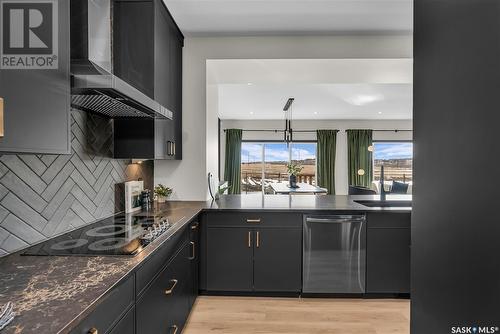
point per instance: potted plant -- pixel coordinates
(293, 171)
(162, 193)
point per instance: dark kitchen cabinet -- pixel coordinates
(260, 257)
(125, 325)
(37, 101)
(148, 48)
(194, 242)
(132, 63)
(277, 260)
(164, 306)
(388, 253)
(111, 308)
(229, 259)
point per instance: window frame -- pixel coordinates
(264, 142)
(390, 141)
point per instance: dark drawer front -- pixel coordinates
(126, 325)
(164, 304)
(147, 272)
(388, 220)
(110, 309)
(254, 219)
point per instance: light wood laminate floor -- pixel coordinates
(249, 315)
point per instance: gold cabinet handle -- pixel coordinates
(93, 330)
(175, 328)
(193, 250)
(249, 239)
(254, 221)
(169, 291)
(195, 226)
(257, 242)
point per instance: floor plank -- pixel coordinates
(254, 315)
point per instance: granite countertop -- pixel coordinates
(42, 287)
(51, 293)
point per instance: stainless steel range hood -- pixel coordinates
(94, 88)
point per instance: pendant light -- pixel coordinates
(288, 134)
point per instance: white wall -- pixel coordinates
(200, 149)
(341, 161)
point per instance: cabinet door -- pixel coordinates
(162, 37)
(164, 305)
(278, 260)
(126, 324)
(195, 261)
(164, 139)
(37, 102)
(229, 259)
(133, 44)
(388, 260)
(175, 94)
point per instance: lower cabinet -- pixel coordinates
(254, 259)
(229, 259)
(194, 242)
(113, 308)
(126, 324)
(388, 254)
(165, 305)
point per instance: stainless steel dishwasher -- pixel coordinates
(334, 258)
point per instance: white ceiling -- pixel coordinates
(353, 89)
(291, 17)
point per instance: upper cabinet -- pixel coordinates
(37, 100)
(148, 55)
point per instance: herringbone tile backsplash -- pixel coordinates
(45, 195)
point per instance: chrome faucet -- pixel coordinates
(383, 194)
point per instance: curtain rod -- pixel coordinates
(314, 131)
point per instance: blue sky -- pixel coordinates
(401, 150)
(251, 152)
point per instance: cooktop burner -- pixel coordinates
(118, 235)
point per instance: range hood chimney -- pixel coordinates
(94, 88)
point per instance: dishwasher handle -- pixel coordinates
(336, 219)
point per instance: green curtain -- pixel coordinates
(232, 166)
(325, 155)
(360, 158)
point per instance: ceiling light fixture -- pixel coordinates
(287, 109)
(363, 99)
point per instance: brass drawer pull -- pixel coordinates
(93, 330)
(193, 250)
(258, 239)
(169, 291)
(254, 221)
(249, 239)
(195, 226)
(175, 328)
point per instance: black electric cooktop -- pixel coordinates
(122, 234)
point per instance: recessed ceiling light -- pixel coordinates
(361, 100)
(249, 83)
(315, 113)
(380, 113)
(251, 112)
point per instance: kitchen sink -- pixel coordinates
(384, 204)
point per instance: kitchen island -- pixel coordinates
(55, 294)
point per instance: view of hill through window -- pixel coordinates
(263, 163)
(397, 158)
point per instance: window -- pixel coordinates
(397, 158)
(264, 163)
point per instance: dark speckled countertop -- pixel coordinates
(53, 293)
